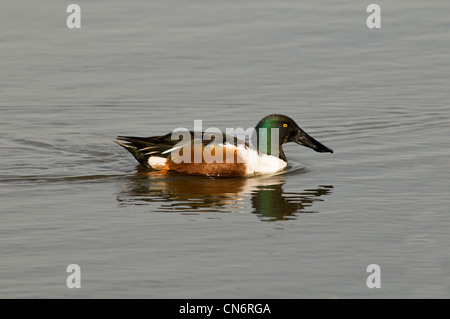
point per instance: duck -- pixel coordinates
(216, 154)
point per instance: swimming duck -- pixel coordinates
(230, 156)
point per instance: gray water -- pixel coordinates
(378, 97)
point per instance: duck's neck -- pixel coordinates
(268, 142)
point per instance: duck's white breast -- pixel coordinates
(257, 163)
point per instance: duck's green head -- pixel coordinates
(288, 131)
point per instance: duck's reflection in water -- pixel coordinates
(189, 194)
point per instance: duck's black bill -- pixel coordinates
(306, 140)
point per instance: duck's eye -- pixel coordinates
(284, 125)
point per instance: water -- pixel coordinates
(69, 195)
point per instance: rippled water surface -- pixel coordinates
(69, 195)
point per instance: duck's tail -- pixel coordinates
(142, 148)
